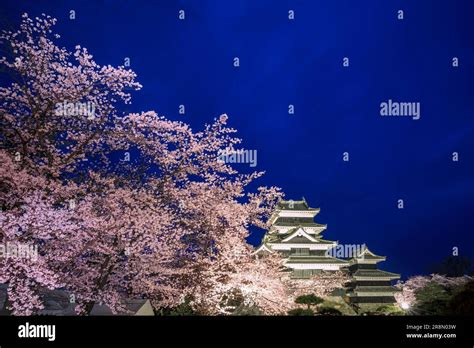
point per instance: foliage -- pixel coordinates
(390, 310)
(301, 312)
(309, 300)
(432, 299)
(248, 311)
(407, 297)
(462, 303)
(454, 266)
(430, 295)
(329, 311)
(183, 309)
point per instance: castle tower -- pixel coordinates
(295, 235)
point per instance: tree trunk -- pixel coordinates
(101, 282)
(5, 310)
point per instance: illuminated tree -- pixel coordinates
(419, 291)
(167, 217)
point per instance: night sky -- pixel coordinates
(337, 108)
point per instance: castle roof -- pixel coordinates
(298, 235)
(376, 289)
(314, 259)
(367, 256)
(294, 205)
(302, 224)
(363, 274)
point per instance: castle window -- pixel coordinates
(300, 251)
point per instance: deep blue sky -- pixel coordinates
(299, 62)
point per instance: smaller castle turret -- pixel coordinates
(370, 287)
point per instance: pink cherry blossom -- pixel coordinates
(171, 221)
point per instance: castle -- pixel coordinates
(298, 238)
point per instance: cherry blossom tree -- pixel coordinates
(406, 297)
(322, 284)
(153, 223)
(50, 138)
(247, 282)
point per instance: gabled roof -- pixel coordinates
(263, 248)
(366, 254)
(300, 232)
(292, 236)
(139, 307)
